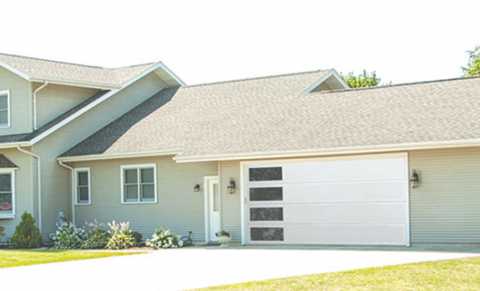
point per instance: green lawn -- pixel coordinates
(14, 258)
(462, 274)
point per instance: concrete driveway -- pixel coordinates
(200, 267)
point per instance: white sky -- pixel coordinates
(206, 41)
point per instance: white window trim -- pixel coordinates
(139, 166)
(11, 172)
(75, 180)
(9, 111)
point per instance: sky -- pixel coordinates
(207, 41)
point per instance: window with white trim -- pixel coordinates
(4, 108)
(7, 192)
(139, 184)
(82, 185)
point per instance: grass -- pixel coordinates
(460, 274)
(15, 258)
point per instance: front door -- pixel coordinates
(213, 197)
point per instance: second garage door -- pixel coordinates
(344, 201)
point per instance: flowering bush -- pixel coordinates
(165, 239)
(121, 236)
(96, 236)
(68, 236)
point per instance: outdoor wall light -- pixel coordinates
(231, 186)
(415, 179)
(196, 188)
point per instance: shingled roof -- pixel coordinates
(6, 163)
(275, 114)
(36, 69)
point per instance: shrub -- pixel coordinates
(96, 236)
(164, 238)
(2, 231)
(138, 238)
(68, 236)
(27, 235)
(121, 236)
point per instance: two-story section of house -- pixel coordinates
(46, 107)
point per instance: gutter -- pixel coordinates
(45, 84)
(60, 162)
(39, 183)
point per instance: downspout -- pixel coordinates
(71, 190)
(39, 183)
(35, 123)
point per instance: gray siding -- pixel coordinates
(20, 103)
(230, 202)
(446, 207)
(25, 200)
(54, 100)
(55, 179)
(179, 208)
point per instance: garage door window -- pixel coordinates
(266, 233)
(266, 193)
(265, 174)
(266, 214)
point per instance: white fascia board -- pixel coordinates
(15, 71)
(330, 73)
(332, 152)
(117, 156)
(76, 84)
(7, 145)
(174, 76)
(96, 102)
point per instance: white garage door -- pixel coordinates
(344, 201)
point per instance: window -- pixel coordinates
(5, 108)
(82, 186)
(139, 184)
(266, 194)
(265, 174)
(7, 192)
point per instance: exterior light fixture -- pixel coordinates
(415, 179)
(231, 186)
(196, 188)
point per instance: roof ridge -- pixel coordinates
(132, 66)
(401, 84)
(50, 60)
(255, 78)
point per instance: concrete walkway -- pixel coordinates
(200, 267)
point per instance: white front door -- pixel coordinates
(213, 202)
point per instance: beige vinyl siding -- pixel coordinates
(230, 215)
(54, 100)
(179, 208)
(20, 103)
(446, 206)
(25, 200)
(56, 186)
(444, 209)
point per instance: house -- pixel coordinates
(288, 159)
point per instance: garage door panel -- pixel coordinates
(345, 201)
(346, 170)
(346, 213)
(335, 234)
(345, 192)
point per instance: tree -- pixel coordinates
(473, 67)
(27, 235)
(362, 80)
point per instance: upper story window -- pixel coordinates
(82, 186)
(139, 183)
(4, 108)
(7, 193)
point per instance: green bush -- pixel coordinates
(138, 238)
(164, 238)
(96, 236)
(122, 236)
(68, 236)
(2, 231)
(27, 235)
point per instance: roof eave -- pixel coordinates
(331, 152)
(94, 157)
